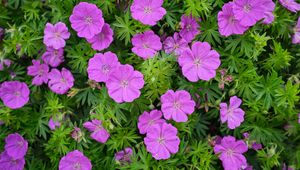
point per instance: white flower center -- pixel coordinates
(17, 93)
(176, 105)
(105, 68)
(147, 10)
(88, 20)
(124, 83)
(77, 166)
(247, 8)
(189, 27)
(57, 35)
(197, 62)
(161, 140)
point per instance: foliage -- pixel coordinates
(263, 63)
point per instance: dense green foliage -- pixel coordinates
(263, 62)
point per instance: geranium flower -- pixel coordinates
(162, 141)
(147, 12)
(231, 153)
(124, 156)
(291, 5)
(177, 105)
(101, 66)
(200, 63)
(124, 84)
(16, 146)
(60, 82)
(39, 72)
(233, 115)
(75, 160)
(53, 57)
(248, 12)
(14, 94)
(9, 163)
(98, 132)
(147, 120)
(4, 62)
(86, 20)
(55, 35)
(146, 45)
(175, 44)
(53, 123)
(103, 39)
(227, 22)
(296, 36)
(189, 27)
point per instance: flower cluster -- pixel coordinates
(58, 81)
(238, 16)
(87, 21)
(178, 43)
(122, 81)
(13, 157)
(161, 137)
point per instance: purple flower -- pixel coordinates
(55, 35)
(189, 28)
(1, 122)
(231, 153)
(86, 20)
(101, 66)
(124, 84)
(200, 63)
(75, 160)
(246, 135)
(227, 22)
(53, 57)
(53, 123)
(269, 6)
(232, 114)
(248, 12)
(162, 141)
(124, 155)
(9, 163)
(103, 39)
(256, 146)
(291, 5)
(177, 105)
(39, 72)
(146, 45)
(147, 120)
(5, 62)
(16, 146)
(14, 94)
(60, 82)
(175, 44)
(98, 132)
(296, 36)
(147, 12)
(299, 118)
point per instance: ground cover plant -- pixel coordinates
(149, 84)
